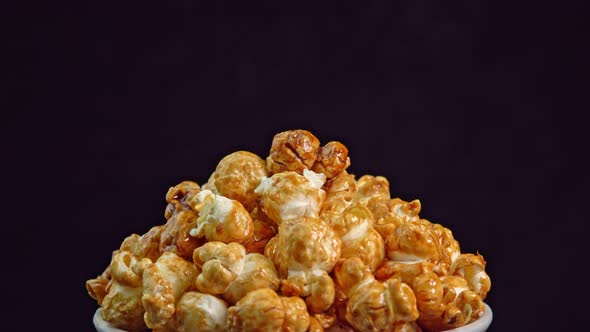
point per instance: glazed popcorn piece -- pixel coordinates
(96, 287)
(177, 195)
(220, 218)
(264, 310)
(122, 305)
(228, 271)
(390, 213)
(296, 317)
(236, 177)
(200, 312)
(412, 242)
(371, 188)
(164, 282)
(304, 252)
(340, 191)
(332, 159)
(144, 246)
(264, 230)
(260, 310)
(374, 305)
(359, 238)
(459, 306)
(175, 235)
(449, 248)
(293, 150)
(289, 196)
(472, 268)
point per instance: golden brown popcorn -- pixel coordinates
(177, 195)
(448, 247)
(340, 192)
(220, 218)
(144, 246)
(304, 253)
(332, 159)
(236, 177)
(175, 235)
(412, 242)
(371, 188)
(393, 212)
(296, 317)
(373, 305)
(359, 238)
(472, 268)
(260, 310)
(122, 305)
(290, 196)
(460, 306)
(264, 230)
(229, 271)
(293, 150)
(201, 312)
(264, 310)
(96, 287)
(164, 282)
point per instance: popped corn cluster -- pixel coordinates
(291, 243)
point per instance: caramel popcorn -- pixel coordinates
(332, 159)
(291, 243)
(200, 312)
(229, 271)
(293, 150)
(290, 196)
(122, 306)
(220, 218)
(236, 177)
(164, 282)
(373, 305)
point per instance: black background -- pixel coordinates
(472, 107)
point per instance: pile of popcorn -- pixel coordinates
(293, 243)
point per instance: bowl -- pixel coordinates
(480, 325)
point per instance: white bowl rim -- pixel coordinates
(479, 325)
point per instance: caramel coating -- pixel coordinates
(289, 196)
(236, 177)
(220, 218)
(122, 305)
(412, 242)
(304, 253)
(459, 306)
(260, 310)
(296, 317)
(144, 246)
(449, 248)
(229, 271)
(372, 188)
(340, 191)
(96, 287)
(391, 213)
(373, 305)
(177, 195)
(264, 230)
(332, 159)
(175, 235)
(200, 312)
(359, 238)
(164, 282)
(293, 150)
(472, 268)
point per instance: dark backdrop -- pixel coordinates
(471, 107)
